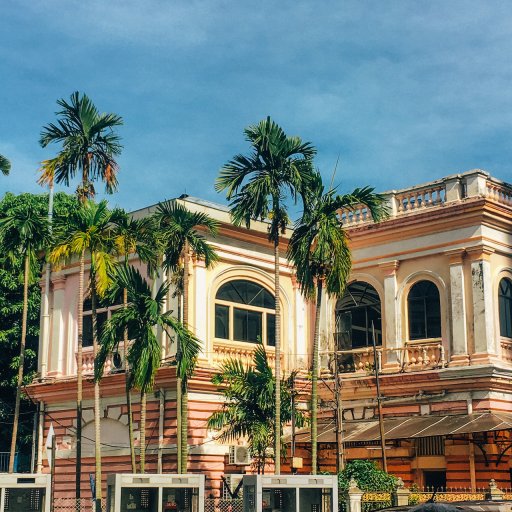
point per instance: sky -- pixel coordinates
(398, 92)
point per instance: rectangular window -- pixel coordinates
(247, 325)
(221, 321)
(87, 327)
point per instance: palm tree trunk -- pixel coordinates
(277, 434)
(182, 397)
(184, 431)
(21, 364)
(142, 450)
(128, 389)
(79, 369)
(97, 406)
(314, 382)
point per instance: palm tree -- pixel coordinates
(249, 407)
(181, 234)
(134, 236)
(257, 186)
(319, 251)
(142, 314)
(89, 146)
(89, 229)
(5, 165)
(23, 231)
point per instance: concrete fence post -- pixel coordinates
(493, 493)
(400, 496)
(355, 497)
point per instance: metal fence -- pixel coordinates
(223, 505)
(375, 501)
(71, 505)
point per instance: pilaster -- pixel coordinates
(459, 349)
(200, 304)
(483, 309)
(390, 313)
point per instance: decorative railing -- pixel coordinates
(499, 192)
(245, 354)
(506, 350)
(114, 361)
(414, 356)
(472, 184)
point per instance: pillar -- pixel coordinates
(483, 304)
(301, 346)
(200, 302)
(58, 345)
(390, 310)
(459, 348)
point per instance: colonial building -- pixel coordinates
(432, 285)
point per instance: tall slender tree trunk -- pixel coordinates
(184, 392)
(277, 434)
(314, 381)
(128, 389)
(142, 451)
(97, 405)
(21, 364)
(79, 392)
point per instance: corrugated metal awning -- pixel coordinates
(412, 427)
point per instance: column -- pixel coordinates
(389, 310)
(57, 348)
(301, 345)
(200, 302)
(483, 304)
(459, 348)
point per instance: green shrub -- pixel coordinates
(368, 475)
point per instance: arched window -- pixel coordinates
(104, 310)
(505, 306)
(358, 316)
(245, 311)
(424, 311)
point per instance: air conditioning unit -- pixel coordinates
(232, 486)
(239, 455)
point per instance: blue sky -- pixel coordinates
(402, 91)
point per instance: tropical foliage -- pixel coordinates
(183, 233)
(258, 186)
(368, 475)
(89, 146)
(11, 309)
(89, 230)
(319, 251)
(5, 165)
(143, 313)
(249, 410)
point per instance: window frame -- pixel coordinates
(426, 315)
(361, 304)
(104, 309)
(265, 312)
(503, 311)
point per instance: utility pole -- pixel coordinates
(379, 403)
(340, 451)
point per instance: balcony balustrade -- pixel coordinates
(114, 362)
(244, 353)
(414, 356)
(435, 194)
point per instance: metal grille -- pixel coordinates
(223, 505)
(430, 445)
(70, 505)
